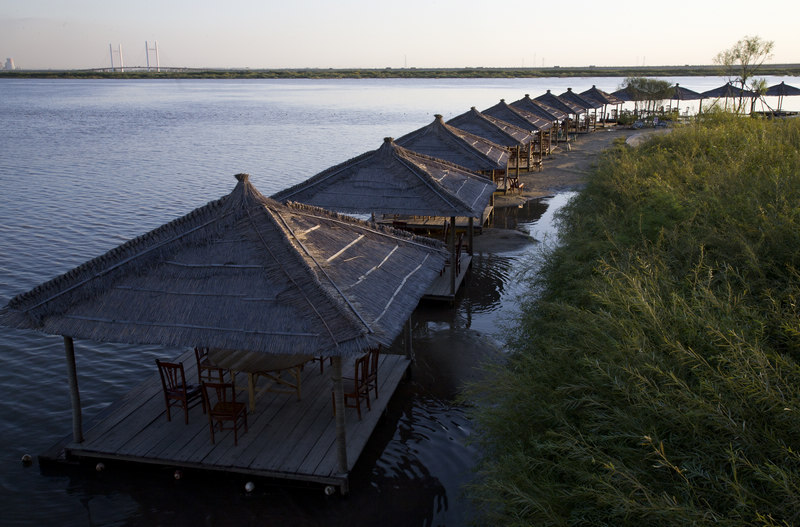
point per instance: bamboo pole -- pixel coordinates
(74, 395)
(341, 432)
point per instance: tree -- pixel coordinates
(741, 61)
(648, 91)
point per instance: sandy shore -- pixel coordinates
(565, 170)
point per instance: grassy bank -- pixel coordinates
(396, 73)
(655, 381)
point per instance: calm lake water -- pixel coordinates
(88, 164)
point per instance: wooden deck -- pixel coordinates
(286, 438)
(440, 288)
(433, 224)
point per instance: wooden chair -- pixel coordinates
(206, 371)
(225, 408)
(176, 391)
(372, 369)
(360, 388)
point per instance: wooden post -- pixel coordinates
(407, 340)
(341, 432)
(453, 255)
(74, 395)
(470, 234)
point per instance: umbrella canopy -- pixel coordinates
(624, 95)
(243, 272)
(727, 90)
(449, 143)
(559, 103)
(518, 117)
(782, 89)
(539, 109)
(587, 104)
(491, 128)
(600, 96)
(395, 180)
(683, 94)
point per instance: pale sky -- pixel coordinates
(75, 34)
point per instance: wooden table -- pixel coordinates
(268, 365)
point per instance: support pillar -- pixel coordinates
(74, 395)
(407, 345)
(341, 432)
(453, 256)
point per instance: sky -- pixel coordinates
(76, 34)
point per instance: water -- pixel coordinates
(86, 165)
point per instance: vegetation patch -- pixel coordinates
(653, 377)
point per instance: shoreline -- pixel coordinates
(563, 171)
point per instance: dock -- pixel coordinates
(441, 288)
(286, 438)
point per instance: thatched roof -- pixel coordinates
(782, 89)
(596, 94)
(395, 180)
(539, 109)
(518, 117)
(449, 143)
(243, 272)
(491, 128)
(683, 94)
(728, 90)
(557, 102)
(583, 102)
(623, 94)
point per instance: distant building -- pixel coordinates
(9, 64)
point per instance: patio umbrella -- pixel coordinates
(685, 94)
(781, 90)
(623, 95)
(728, 91)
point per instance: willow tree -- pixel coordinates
(741, 62)
(650, 92)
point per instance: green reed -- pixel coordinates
(653, 378)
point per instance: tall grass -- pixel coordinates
(655, 380)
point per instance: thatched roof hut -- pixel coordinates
(492, 128)
(602, 99)
(243, 272)
(395, 180)
(449, 143)
(539, 109)
(598, 95)
(559, 103)
(518, 117)
(583, 102)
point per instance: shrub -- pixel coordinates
(654, 379)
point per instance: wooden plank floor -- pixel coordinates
(286, 438)
(440, 288)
